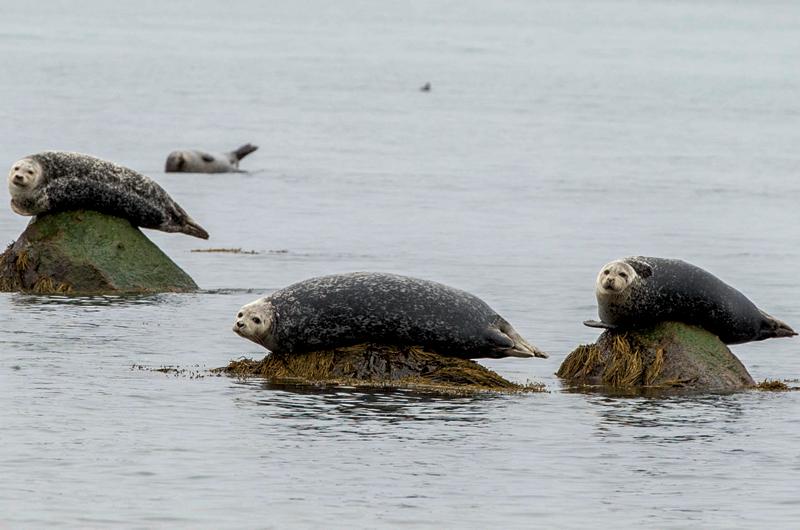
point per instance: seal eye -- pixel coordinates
(240, 315)
(623, 274)
(257, 320)
(606, 271)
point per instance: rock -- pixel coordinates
(668, 355)
(85, 252)
(372, 365)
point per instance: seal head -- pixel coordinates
(23, 179)
(255, 322)
(614, 278)
(175, 162)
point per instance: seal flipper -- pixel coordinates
(206, 157)
(509, 343)
(772, 328)
(193, 229)
(598, 324)
(638, 264)
(243, 151)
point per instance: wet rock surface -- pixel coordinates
(669, 355)
(86, 252)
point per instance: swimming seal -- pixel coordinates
(55, 181)
(641, 291)
(346, 309)
(194, 161)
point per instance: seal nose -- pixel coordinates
(239, 324)
(19, 179)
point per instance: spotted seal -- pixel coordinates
(194, 161)
(347, 309)
(640, 291)
(55, 181)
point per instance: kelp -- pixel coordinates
(667, 355)
(379, 366)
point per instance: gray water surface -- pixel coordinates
(558, 135)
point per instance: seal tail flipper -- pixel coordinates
(193, 229)
(598, 324)
(244, 150)
(509, 343)
(774, 328)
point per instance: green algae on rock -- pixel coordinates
(379, 366)
(667, 355)
(86, 252)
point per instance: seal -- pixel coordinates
(194, 161)
(347, 309)
(56, 181)
(640, 291)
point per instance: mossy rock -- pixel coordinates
(668, 355)
(378, 366)
(86, 252)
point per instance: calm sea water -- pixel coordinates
(558, 135)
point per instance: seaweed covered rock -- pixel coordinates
(85, 252)
(380, 366)
(668, 355)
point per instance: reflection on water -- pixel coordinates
(323, 405)
(36, 301)
(669, 419)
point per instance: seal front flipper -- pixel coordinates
(640, 265)
(206, 157)
(598, 324)
(773, 328)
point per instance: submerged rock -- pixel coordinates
(378, 366)
(85, 252)
(668, 355)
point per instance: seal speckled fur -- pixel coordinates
(640, 291)
(55, 181)
(195, 161)
(346, 309)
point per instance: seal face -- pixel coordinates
(640, 291)
(614, 278)
(346, 309)
(55, 181)
(24, 177)
(196, 161)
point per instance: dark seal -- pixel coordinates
(56, 181)
(641, 291)
(347, 309)
(195, 161)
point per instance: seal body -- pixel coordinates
(55, 181)
(347, 309)
(641, 291)
(194, 161)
